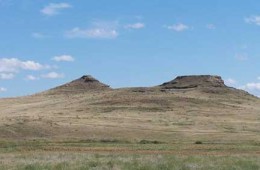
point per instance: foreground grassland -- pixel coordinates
(115, 155)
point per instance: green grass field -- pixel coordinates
(42, 155)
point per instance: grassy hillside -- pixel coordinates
(171, 119)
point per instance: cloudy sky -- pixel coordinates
(47, 43)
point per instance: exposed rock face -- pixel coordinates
(83, 84)
(87, 81)
(186, 82)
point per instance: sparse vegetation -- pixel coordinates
(150, 142)
(198, 142)
(127, 129)
(73, 160)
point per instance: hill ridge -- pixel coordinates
(83, 84)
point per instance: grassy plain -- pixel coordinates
(45, 155)
(132, 128)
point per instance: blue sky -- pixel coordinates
(137, 43)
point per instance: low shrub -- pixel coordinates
(198, 142)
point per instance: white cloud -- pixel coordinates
(11, 65)
(97, 30)
(67, 58)
(138, 25)
(53, 75)
(211, 26)
(255, 19)
(178, 27)
(230, 82)
(38, 35)
(6, 76)
(2, 89)
(31, 65)
(54, 8)
(99, 33)
(251, 86)
(31, 77)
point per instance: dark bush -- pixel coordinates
(198, 142)
(149, 142)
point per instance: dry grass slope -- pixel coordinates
(187, 110)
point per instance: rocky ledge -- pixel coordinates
(194, 81)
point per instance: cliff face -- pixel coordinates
(185, 82)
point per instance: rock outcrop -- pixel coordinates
(194, 81)
(84, 84)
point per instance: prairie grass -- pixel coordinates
(84, 161)
(98, 155)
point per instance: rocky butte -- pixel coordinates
(185, 82)
(83, 84)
